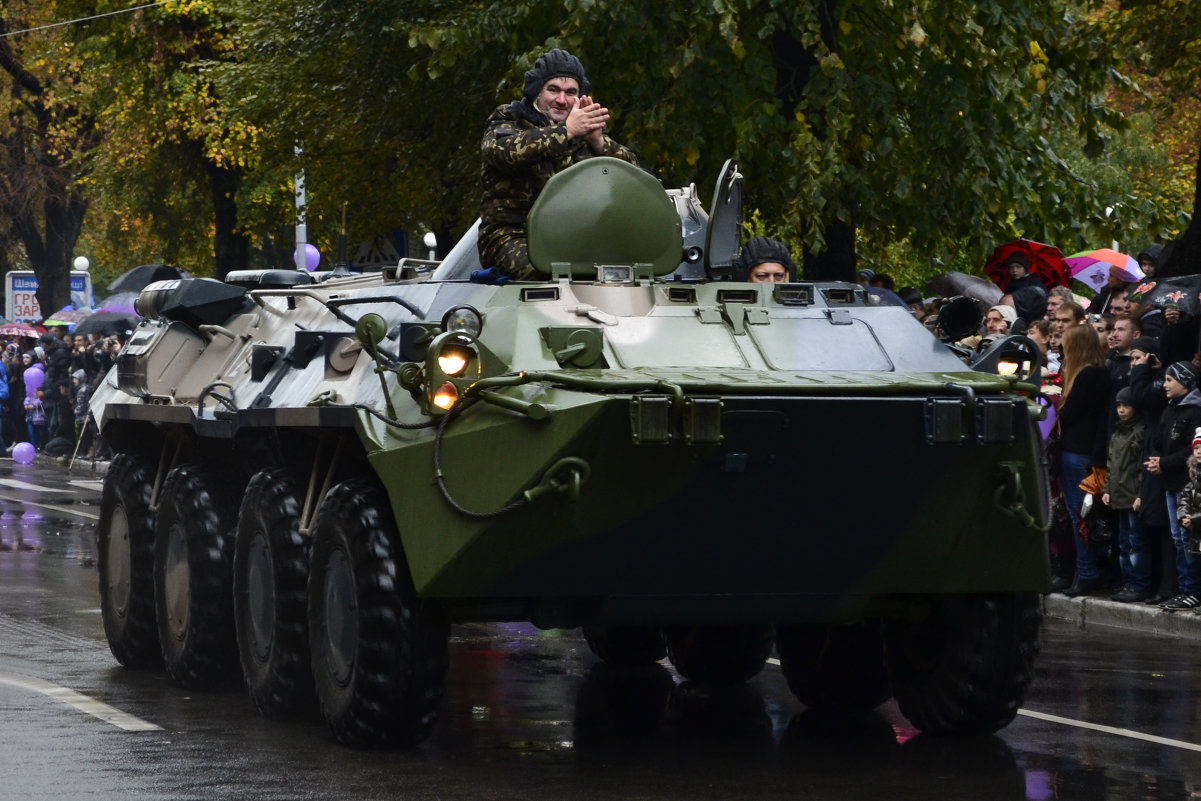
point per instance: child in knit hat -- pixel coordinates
(1123, 480)
(1169, 457)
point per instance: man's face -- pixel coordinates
(558, 97)
(1053, 304)
(768, 272)
(994, 323)
(1118, 304)
(1122, 336)
(1063, 319)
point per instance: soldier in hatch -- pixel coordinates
(555, 124)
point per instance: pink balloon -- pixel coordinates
(24, 452)
(312, 257)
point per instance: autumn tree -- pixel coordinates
(169, 172)
(44, 130)
(1164, 38)
(931, 121)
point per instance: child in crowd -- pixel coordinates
(35, 418)
(1189, 510)
(1121, 493)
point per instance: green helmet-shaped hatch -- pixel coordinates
(604, 211)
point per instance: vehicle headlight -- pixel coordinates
(463, 320)
(452, 363)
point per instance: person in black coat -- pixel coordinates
(1146, 390)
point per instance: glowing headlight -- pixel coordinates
(463, 319)
(452, 360)
(1007, 368)
(446, 395)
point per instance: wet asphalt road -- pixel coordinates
(530, 714)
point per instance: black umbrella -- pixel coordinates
(108, 323)
(956, 283)
(139, 277)
(1181, 292)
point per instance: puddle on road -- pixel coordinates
(34, 530)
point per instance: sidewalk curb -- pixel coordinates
(1085, 612)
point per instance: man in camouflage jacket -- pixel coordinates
(554, 125)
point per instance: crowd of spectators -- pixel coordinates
(45, 387)
(1121, 382)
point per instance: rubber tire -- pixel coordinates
(193, 577)
(965, 669)
(271, 577)
(719, 655)
(125, 559)
(626, 646)
(379, 656)
(834, 669)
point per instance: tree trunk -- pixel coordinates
(230, 246)
(793, 64)
(51, 250)
(1183, 256)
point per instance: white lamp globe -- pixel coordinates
(81, 263)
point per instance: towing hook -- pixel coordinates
(566, 475)
(1010, 496)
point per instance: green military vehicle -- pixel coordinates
(315, 478)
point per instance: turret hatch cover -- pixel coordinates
(725, 222)
(604, 211)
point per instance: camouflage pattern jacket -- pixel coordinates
(1190, 497)
(520, 152)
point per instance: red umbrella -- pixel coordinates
(1046, 262)
(17, 330)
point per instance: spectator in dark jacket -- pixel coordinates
(1146, 390)
(1174, 443)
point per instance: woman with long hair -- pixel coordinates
(1083, 417)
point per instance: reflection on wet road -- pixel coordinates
(530, 714)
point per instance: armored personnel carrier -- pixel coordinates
(315, 478)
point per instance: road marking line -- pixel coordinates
(67, 510)
(1083, 724)
(91, 706)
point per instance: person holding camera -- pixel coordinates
(1145, 382)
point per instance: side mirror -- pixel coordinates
(370, 330)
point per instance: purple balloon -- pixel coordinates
(24, 452)
(312, 257)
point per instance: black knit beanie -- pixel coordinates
(759, 250)
(555, 64)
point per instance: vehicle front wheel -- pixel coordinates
(719, 654)
(626, 646)
(965, 667)
(837, 669)
(271, 575)
(193, 577)
(125, 558)
(379, 655)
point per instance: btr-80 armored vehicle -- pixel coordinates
(314, 478)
